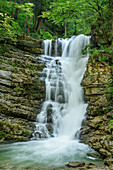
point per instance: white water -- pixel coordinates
(64, 108)
(62, 112)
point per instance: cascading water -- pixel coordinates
(64, 108)
(62, 112)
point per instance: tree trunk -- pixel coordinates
(75, 29)
(25, 23)
(34, 22)
(12, 12)
(38, 27)
(16, 11)
(65, 29)
(12, 9)
(39, 24)
(29, 26)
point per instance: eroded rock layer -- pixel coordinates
(98, 128)
(21, 93)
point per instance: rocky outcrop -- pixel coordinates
(97, 131)
(30, 45)
(21, 93)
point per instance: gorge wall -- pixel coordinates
(97, 130)
(21, 90)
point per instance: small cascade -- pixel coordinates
(64, 108)
(47, 47)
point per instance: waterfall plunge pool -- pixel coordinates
(47, 153)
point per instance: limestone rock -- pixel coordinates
(5, 74)
(21, 93)
(97, 132)
(76, 164)
(95, 122)
(105, 152)
(108, 161)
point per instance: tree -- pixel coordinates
(10, 27)
(87, 14)
(61, 12)
(96, 14)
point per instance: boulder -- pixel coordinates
(75, 164)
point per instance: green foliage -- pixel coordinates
(14, 65)
(111, 122)
(3, 61)
(83, 15)
(109, 92)
(107, 110)
(6, 30)
(17, 88)
(9, 27)
(35, 35)
(2, 134)
(69, 16)
(46, 35)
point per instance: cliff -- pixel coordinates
(97, 130)
(21, 90)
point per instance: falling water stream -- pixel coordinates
(56, 141)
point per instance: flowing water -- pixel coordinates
(56, 141)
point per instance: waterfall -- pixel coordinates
(64, 107)
(60, 119)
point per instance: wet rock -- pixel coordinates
(75, 164)
(108, 161)
(95, 155)
(105, 152)
(49, 128)
(49, 113)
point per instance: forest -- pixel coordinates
(46, 19)
(56, 84)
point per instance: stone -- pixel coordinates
(21, 94)
(108, 161)
(5, 74)
(75, 164)
(95, 155)
(95, 122)
(105, 152)
(96, 145)
(107, 146)
(5, 82)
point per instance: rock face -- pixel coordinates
(30, 45)
(21, 93)
(98, 131)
